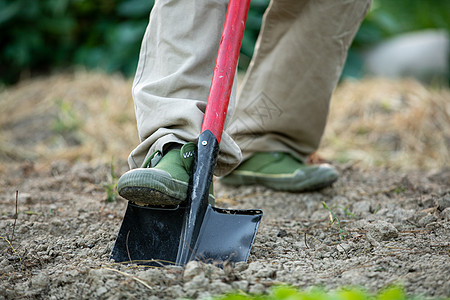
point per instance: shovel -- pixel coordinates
(196, 230)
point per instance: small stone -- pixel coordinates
(443, 202)
(192, 269)
(446, 213)
(282, 233)
(240, 266)
(60, 167)
(219, 287)
(432, 226)
(361, 207)
(257, 289)
(254, 267)
(426, 220)
(154, 276)
(25, 197)
(241, 285)
(382, 231)
(265, 273)
(197, 284)
(101, 290)
(40, 280)
(428, 202)
(343, 247)
(13, 258)
(175, 292)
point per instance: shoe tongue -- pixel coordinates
(187, 154)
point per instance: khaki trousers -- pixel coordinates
(284, 100)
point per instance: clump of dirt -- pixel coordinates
(379, 228)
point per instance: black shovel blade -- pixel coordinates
(227, 235)
(151, 236)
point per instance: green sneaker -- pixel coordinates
(281, 171)
(162, 181)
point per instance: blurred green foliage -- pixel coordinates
(284, 292)
(42, 35)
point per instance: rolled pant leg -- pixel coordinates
(299, 56)
(174, 75)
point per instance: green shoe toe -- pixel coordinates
(281, 171)
(163, 184)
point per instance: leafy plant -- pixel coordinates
(284, 292)
(333, 219)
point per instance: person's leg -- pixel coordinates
(170, 90)
(284, 101)
(174, 74)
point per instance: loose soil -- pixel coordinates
(380, 225)
(389, 228)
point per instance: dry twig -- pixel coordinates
(131, 276)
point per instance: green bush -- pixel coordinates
(45, 35)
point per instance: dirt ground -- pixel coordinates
(385, 223)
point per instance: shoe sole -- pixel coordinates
(144, 196)
(295, 182)
(153, 188)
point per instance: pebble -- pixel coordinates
(60, 167)
(192, 269)
(382, 231)
(443, 202)
(257, 288)
(361, 207)
(240, 266)
(254, 267)
(267, 272)
(219, 287)
(40, 280)
(101, 290)
(426, 220)
(344, 247)
(446, 213)
(151, 275)
(241, 285)
(428, 202)
(24, 198)
(197, 284)
(175, 292)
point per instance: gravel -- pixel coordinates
(389, 228)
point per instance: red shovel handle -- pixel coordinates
(225, 68)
